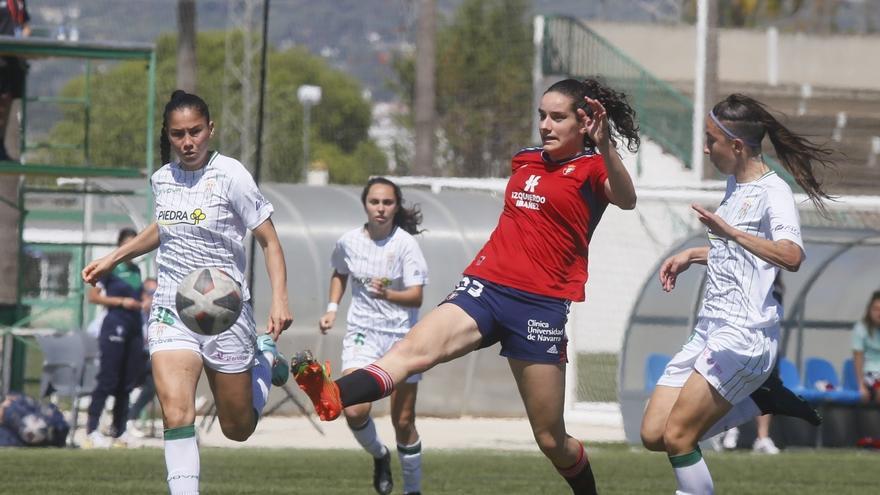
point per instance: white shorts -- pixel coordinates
(362, 347)
(232, 351)
(735, 361)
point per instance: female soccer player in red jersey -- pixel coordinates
(518, 289)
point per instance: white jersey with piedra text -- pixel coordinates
(203, 217)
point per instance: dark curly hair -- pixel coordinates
(406, 218)
(621, 116)
(179, 99)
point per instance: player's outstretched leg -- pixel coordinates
(772, 397)
(366, 384)
(315, 381)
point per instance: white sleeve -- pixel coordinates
(415, 268)
(337, 259)
(783, 215)
(247, 200)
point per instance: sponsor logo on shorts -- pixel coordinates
(227, 357)
(553, 350)
(359, 338)
(541, 331)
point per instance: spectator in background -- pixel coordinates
(866, 351)
(14, 20)
(121, 342)
(148, 389)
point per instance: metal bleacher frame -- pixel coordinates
(28, 310)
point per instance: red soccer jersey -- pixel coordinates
(542, 239)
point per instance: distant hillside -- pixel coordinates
(358, 36)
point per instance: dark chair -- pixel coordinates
(63, 372)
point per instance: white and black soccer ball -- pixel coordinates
(33, 430)
(208, 301)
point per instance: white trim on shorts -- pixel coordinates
(231, 351)
(374, 345)
(735, 361)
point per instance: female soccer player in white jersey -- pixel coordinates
(722, 376)
(518, 289)
(205, 203)
(387, 272)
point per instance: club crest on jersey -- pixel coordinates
(567, 170)
(176, 217)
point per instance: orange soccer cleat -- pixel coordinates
(315, 381)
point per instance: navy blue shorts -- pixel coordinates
(529, 326)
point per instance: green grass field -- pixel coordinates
(619, 469)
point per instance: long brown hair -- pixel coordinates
(871, 325)
(407, 219)
(750, 120)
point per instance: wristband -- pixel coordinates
(332, 307)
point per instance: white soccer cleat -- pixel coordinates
(731, 438)
(96, 440)
(765, 446)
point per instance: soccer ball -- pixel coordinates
(208, 301)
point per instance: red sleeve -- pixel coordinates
(598, 176)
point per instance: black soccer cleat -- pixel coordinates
(382, 481)
(772, 397)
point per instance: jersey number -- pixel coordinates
(473, 287)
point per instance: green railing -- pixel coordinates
(38, 48)
(664, 114)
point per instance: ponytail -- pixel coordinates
(750, 120)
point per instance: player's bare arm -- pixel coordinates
(143, 243)
(338, 282)
(618, 186)
(280, 317)
(680, 262)
(410, 297)
(783, 253)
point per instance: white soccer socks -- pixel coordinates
(692, 474)
(411, 464)
(182, 460)
(367, 437)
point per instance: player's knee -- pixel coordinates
(176, 417)
(236, 430)
(357, 415)
(652, 438)
(677, 439)
(404, 426)
(549, 444)
(415, 358)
